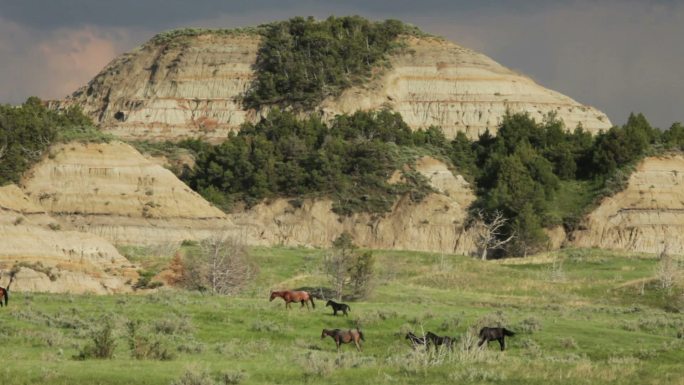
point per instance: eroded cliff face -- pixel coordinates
(434, 224)
(54, 260)
(185, 87)
(111, 190)
(436, 82)
(648, 216)
(190, 86)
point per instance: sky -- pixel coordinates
(620, 56)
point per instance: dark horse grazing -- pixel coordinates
(343, 307)
(4, 291)
(437, 341)
(491, 334)
(293, 296)
(415, 340)
(344, 337)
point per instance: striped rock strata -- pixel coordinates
(189, 86)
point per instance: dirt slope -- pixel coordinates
(111, 190)
(55, 260)
(434, 224)
(648, 216)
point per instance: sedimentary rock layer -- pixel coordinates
(648, 216)
(190, 86)
(111, 190)
(76, 262)
(434, 224)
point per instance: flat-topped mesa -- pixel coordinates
(190, 85)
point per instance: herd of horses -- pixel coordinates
(340, 336)
(486, 334)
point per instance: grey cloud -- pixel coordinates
(619, 56)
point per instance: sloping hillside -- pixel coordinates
(648, 216)
(190, 86)
(54, 260)
(436, 82)
(434, 224)
(111, 190)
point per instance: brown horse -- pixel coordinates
(4, 291)
(344, 337)
(293, 296)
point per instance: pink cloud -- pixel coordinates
(52, 65)
(73, 57)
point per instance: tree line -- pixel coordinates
(27, 130)
(301, 61)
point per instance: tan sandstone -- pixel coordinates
(434, 224)
(648, 216)
(80, 262)
(111, 190)
(190, 87)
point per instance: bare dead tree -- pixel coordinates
(221, 266)
(490, 231)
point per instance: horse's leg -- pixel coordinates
(335, 312)
(482, 341)
(356, 342)
(502, 343)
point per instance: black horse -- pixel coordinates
(491, 334)
(415, 340)
(437, 341)
(343, 307)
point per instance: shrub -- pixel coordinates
(147, 345)
(530, 325)
(145, 280)
(103, 343)
(194, 376)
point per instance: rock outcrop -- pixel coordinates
(648, 216)
(190, 86)
(54, 260)
(434, 224)
(111, 190)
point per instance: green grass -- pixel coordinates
(581, 318)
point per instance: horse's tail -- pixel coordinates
(360, 334)
(312, 302)
(348, 307)
(507, 332)
(12, 274)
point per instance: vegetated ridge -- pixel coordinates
(206, 83)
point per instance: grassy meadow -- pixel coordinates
(582, 317)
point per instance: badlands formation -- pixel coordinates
(81, 199)
(54, 260)
(648, 216)
(189, 86)
(437, 223)
(111, 190)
